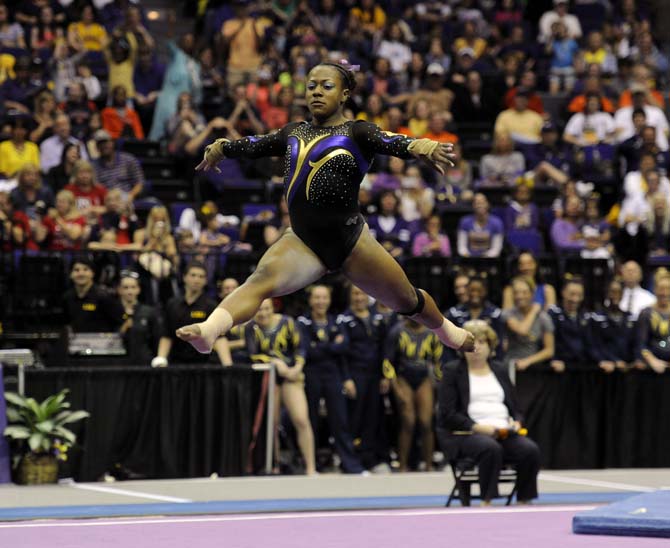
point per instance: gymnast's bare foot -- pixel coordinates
(193, 335)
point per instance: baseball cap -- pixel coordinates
(465, 50)
(102, 135)
(435, 68)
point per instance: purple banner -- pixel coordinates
(5, 457)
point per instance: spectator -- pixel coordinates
(17, 152)
(589, 85)
(211, 239)
(653, 336)
(159, 256)
(437, 128)
(412, 359)
(275, 338)
(389, 228)
(645, 51)
(439, 97)
(559, 13)
(330, 22)
(474, 103)
(597, 52)
(477, 307)
(630, 148)
(326, 374)
(476, 395)
(120, 120)
(18, 93)
(120, 53)
(461, 281)
(64, 227)
(277, 114)
(521, 123)
(47, 32)
(457, 180)
(613, 331)
(30, 194)
(374, 111)
(15, 229)
(503, 164)
(529, 331)
(117, 169)
(521, 213)
(566, 232)
(85, 33)
(182, 310)
(635, 298)
(276, 228)
(148, 79)
(394, 48)
(563, 50)
(241, 115)
(370, 14)
(642, 78)
(89, 195)
(59, 175)
(658, 226)
(132, 25)
(89, 308)
(636, 183)
(142, 324)
(242, 36)
(437, 54)
(417, 200)
(654, 117)
(382, 82)
(470, 39)
(544, 294)
(44, 117)
(418, 118)
(432, 242)
(591, 127)
(51, 149)
(79, 109)
(194, 221)
(528, 81)
(11, 34)
(365, 330)
(602, 230)
(391, 178)
(117, 225)
(480, 234)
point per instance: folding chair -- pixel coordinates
(466, 474)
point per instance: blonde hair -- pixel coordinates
(66, 194)
(26, 169)
(481, 329)
(151, 221)
(661, 274)
(80, 165)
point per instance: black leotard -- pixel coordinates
(323, 169)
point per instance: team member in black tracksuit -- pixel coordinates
(613, 331)
(572, 327)
(365, 329)
(326, 374)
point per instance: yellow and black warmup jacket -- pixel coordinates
(409, 354)
(283, 341)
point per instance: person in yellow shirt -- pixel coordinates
(16, 152)
(371, 15)
(86, 33)
(521, 123)
(471, 40)
(121, 52)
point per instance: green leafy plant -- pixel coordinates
(42, 425)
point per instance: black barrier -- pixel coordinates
(156, 423)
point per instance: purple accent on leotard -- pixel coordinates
(336, 141)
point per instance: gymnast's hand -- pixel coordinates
(213, 155)
(442, 155)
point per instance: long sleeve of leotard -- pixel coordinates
(373, 140)
(258, 146)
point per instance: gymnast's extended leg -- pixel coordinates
(371, 268)
(289, 265)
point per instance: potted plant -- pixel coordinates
(40, 430)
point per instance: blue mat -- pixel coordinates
(646, 515)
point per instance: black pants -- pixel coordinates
(365, 419)
(489, 454)
(329, 386)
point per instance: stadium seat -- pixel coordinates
(529, 240)
(142, 148)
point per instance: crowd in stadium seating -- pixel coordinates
(558, 112)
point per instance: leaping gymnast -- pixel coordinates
(324, 163)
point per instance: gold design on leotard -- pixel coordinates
(303, 150)
(659, 324)
(317, 165)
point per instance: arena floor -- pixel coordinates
(327, 510)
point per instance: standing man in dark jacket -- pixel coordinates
(326, 374)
